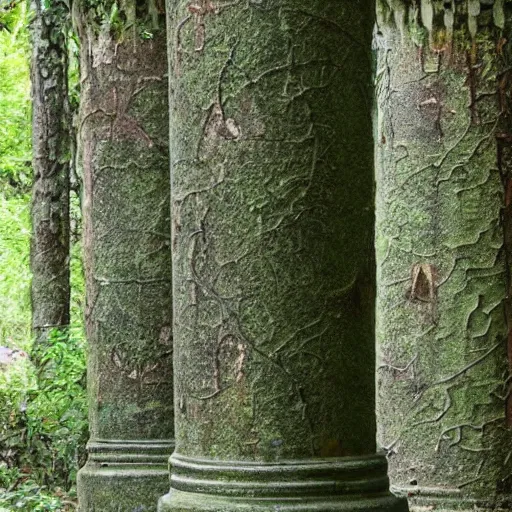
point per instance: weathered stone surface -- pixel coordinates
(124, 476)
(124, 156)
(443, 176)
(273, 269)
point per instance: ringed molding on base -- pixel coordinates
(337, 484)
(124, 476)
(443, 499)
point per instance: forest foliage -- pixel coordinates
(43, 420)
(15, 97)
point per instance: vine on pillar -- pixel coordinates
(273, 268)
(443, 249)
(123, 148)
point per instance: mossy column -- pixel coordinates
(443, 177)
(123, 141)
(273, 268)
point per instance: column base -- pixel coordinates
(124, 476)
(425, 499)
(321, 485)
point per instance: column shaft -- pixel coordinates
(443, 101)
(124, 157)
(273, 285)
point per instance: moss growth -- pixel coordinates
(272, 212)
(125, 160)
(443, 375)
(123, 19)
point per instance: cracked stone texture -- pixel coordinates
(123, 143)
(272, 216)
(443, 244)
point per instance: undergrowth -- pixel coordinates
(43, 426)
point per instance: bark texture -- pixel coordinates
(273, 269)
(49, 260)
(443, 176)
(123, 154)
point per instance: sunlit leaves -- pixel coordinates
(15, 168)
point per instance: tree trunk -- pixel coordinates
(273, 275)
(123, 153)
(443, 164)
(50, 191)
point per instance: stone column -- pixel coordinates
(443, 247)
(124, 156)
(272, 215)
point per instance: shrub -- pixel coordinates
(43, 420)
